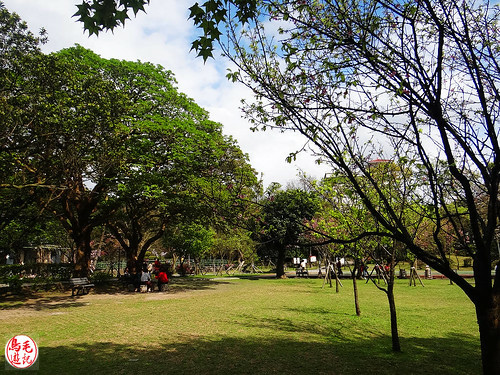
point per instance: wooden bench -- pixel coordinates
(80, 285)
(301, 272)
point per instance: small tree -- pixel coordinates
(192, 240)
(345, 221)
(235, 244)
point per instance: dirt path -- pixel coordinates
(12, 306)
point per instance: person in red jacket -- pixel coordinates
(162, 277)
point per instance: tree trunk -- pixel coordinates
(197, 267)
(83, 252)
(396, 346)
(280, 264)
(488, 318)
(182, 269)
(132, 263)
(139, 258)
(487, 305)
(355, 286)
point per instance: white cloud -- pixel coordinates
(163, 36)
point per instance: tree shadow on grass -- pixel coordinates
(256, 355)
(183, 284)
(41, 300)
(46, 303)
(369, 351)
(176, 285)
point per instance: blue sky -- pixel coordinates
(163, 36)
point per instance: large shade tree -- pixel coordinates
(187, 173)
(169, 148)
(109, 136)
(72, 128)
(413, 81)
(281, 225)
(112, 142)
(50, 112)
(17, 211)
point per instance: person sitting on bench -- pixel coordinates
(162, 277)
(146, 279)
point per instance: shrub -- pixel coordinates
(99, 278)
(15, 283)
(48, 271)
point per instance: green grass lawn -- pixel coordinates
(248, 326)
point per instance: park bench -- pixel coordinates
(80, 285)
(301, 272)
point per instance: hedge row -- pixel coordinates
(55, 272)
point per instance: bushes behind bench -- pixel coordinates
(45, 271)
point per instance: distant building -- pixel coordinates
(44, 254)
(378, 161)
